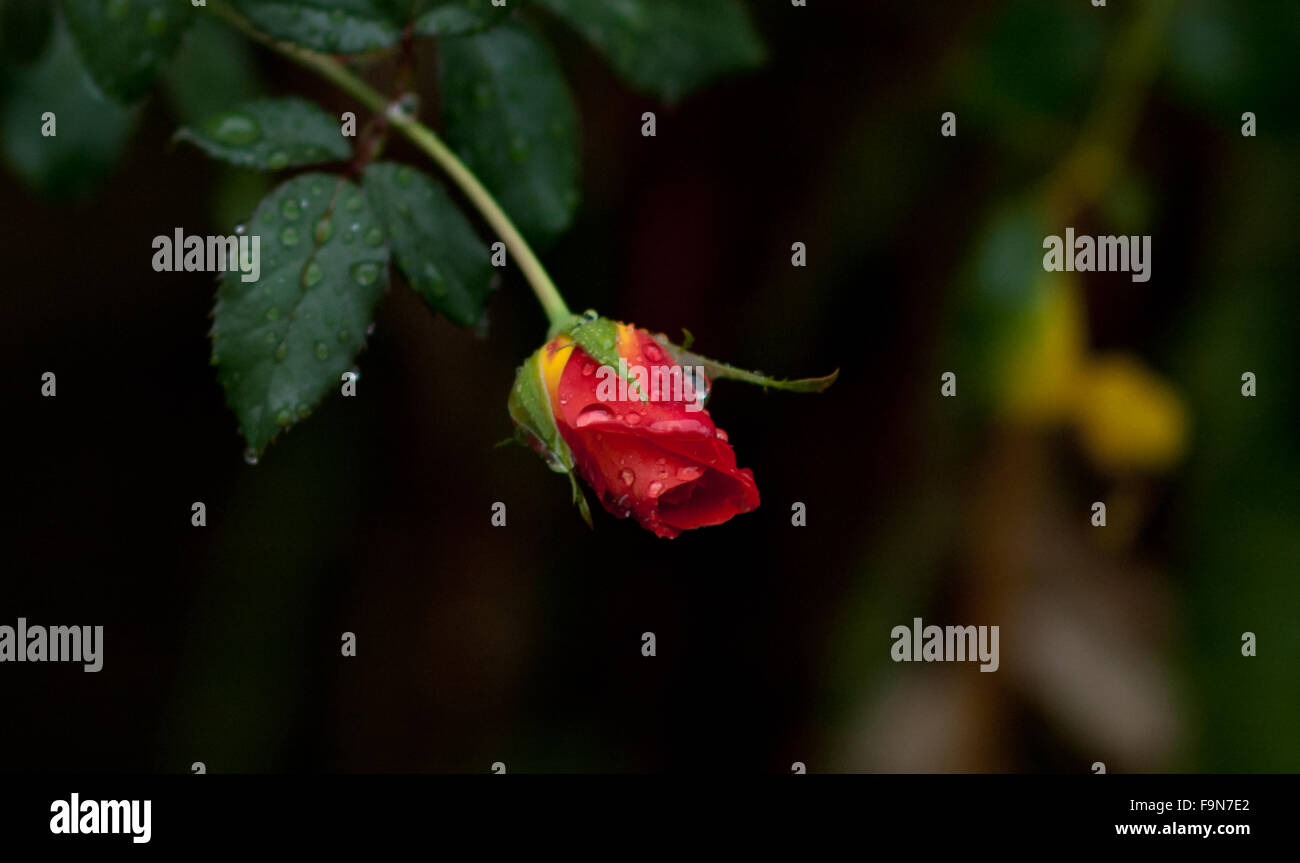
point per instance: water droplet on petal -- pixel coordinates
(656, 488)
(593, 414)
(588, 368)
(689, 473)
(679, 426)
(627, 476)
(653, 353)
(722, 436)
(631, 418)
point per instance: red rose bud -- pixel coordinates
(626, 410)
(633, 426)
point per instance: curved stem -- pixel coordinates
(428, 141)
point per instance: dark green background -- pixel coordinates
(522, 644)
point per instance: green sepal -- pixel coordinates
(535, 426)
(580, 501)
(599, 338)
(715, 370)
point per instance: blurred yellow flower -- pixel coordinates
(1129, 418)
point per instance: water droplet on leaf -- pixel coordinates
(366, 273)
(235, 129)
(312, 274)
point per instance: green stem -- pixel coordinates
(428, 141)
(1091, 166)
